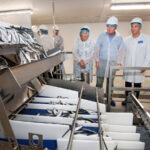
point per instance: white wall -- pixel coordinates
(71, 31)
(17, 19)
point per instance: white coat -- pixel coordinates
(110, 52)
(83, 51)
(58, 42)
(47, 42)
(137, 55)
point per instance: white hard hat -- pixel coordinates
(112, 20)
(35, 29)
(136, 20)
(55, 27)
(43, 27)
(85, 27)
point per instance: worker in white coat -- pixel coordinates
(36, 34)
(137, 55)
(110, 50)
(45, 39)
(59, 45)
(58, 40)
(83, 53)
(47, 42)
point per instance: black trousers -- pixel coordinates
(129, 84)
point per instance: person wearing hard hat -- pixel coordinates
(137, 55)
(45, 40)
(35, 30)
(83, 54)
(110, 50)
(58, 40)
(59, 45)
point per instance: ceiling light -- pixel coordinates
(130, 6)
(11, 12)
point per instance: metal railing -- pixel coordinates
(102, 143)
(69, 147)
(141, 111)
(132, 89)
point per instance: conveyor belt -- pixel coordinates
(88, 93)
(47, 129)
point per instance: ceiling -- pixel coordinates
(74, 11)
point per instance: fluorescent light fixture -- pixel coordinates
(130, 6)
(12, 12)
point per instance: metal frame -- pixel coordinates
(27, 72)
(141, 111)
(5, 125)
(123, 88)
(32, 145)
(69, 147)
(6, 49)
(102, 144)
(17, 77)
(100, 133)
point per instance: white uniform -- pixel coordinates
(47, 42)
(137, 55)
(58, 42)
(83, 51)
